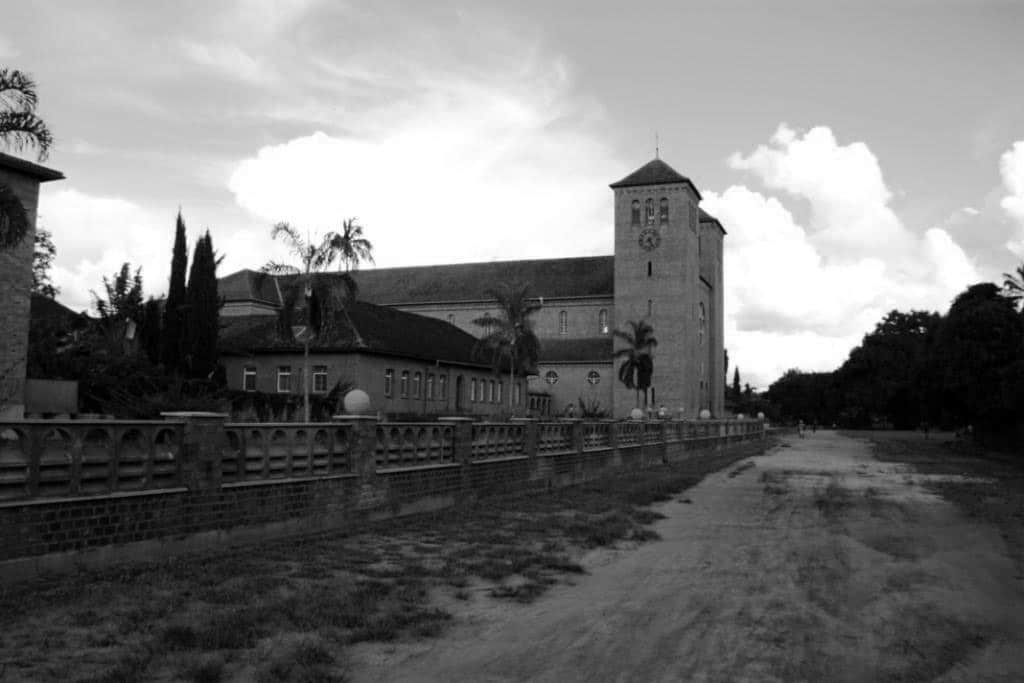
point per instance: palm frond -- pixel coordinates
(17, 89)
(277, 268)
(22, 129)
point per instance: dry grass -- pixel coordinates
(287, 610)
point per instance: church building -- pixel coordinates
(666, 269)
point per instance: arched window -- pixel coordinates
(634, 213)
(602, 321)
(563, 322)
(429, 388)
(501, 386)
(472, 390)
(551, 377)
(663, 210)
(650, 269)
(594, 377)
(417, 383)
(403, 386)
(442, 387)
(649, 205)
(702, 323)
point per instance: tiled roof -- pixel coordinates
(654, 172)
(25, 167)
(248, 285)
(380, 328)
(594, 349)
(706, 217)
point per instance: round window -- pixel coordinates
(593, 377)
(551, 377)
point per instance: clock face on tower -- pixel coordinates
(649, 239)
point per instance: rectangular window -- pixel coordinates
(403, 387)
(563, 322)
(429, 391)
(472, 390)
(320, 379)
(389, 382)
(442, 387)
(249, 378)
(417, 384)
(501, 386)
(492, 392)
(284, 379)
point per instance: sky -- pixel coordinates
(863, 156)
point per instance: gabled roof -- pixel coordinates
(548, 278)
(594, 350)
(654, 172)
(382, 330)
(249, 285)
(706, 217)
(19, 165)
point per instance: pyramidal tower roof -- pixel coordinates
(654, 172)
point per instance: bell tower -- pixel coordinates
(657, 280)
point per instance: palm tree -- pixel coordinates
(1013, 284)
(510, 336)
(637, 369)
(351, 246)
(20, 127)
(322, 296)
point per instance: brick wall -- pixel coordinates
(205, 509)
(16, 285)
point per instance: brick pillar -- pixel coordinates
(529, 425)
(462, 447)
(202, 446)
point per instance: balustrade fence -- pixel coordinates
(42, 459)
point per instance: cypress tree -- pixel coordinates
(736, 383)
(171, 340)
(202, 317)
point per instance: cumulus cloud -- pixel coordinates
(1011, 168)
(457, 165)
(801, 296)
(95, 235)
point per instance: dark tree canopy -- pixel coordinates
(202, 312)
(171, 341)
(42, 261)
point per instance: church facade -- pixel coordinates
(666, 270)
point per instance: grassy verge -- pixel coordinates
(286, 610)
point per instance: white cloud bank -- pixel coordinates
(1011, 168)
(802, 296)
(455, 165)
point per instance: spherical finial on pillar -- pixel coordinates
(356, 402)
(705, 414)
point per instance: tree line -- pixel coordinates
(960, 370)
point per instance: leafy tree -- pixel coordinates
(20, 127)
(321, 297)
(351, 246)
(510, 337)
(881, 380)
(1013, 286)
(42, 261)
(808, 396)
(637, 367)
(979, 354)
(171, 343)
(202, 312)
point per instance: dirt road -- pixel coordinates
(814, 562)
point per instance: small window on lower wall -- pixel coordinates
(389, 382)
(284, 379)
(442, 387)
(249, 378)
(429, 390)
(490, 396)
(417, 384)
(501, 386)
(403, 387)
(320, 379)
(472, 390)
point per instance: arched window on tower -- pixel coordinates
(663, 210)
(650, 210)
(602, 321)
(563, 322)
(635, 212)
(650, 269)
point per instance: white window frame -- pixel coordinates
(284, 372)
(247, 372)
(319, 373)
